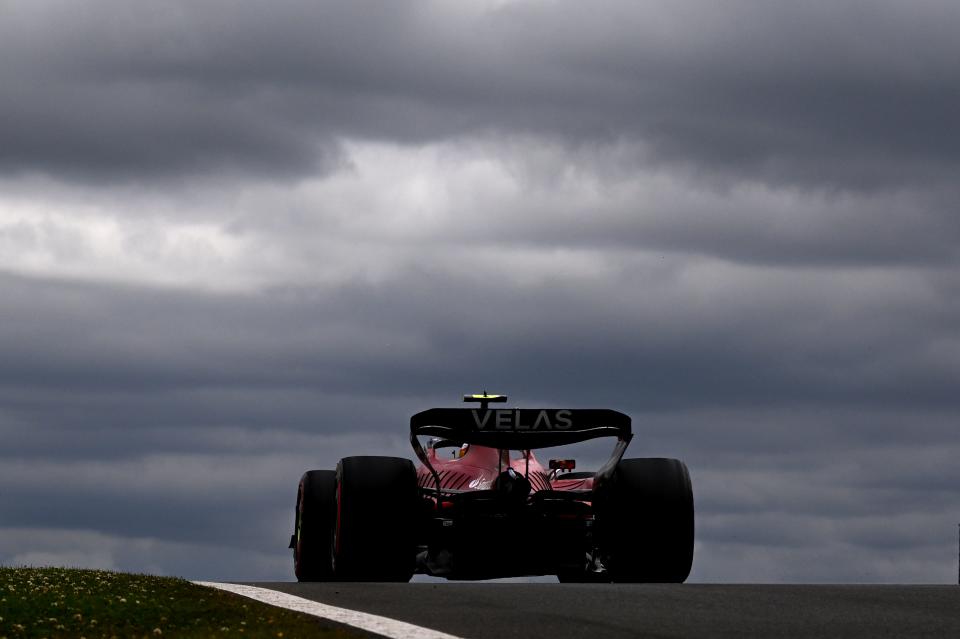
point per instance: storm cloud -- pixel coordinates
(237, 243)
(819, 94)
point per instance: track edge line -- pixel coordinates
(385, 626)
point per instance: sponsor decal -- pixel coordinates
(520, 420)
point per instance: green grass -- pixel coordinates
(61, 602)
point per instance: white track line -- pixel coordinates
(371, 623)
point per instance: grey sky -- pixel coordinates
(237, 243)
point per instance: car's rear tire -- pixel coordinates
(315, 518)
(377, 507)
(645, 521)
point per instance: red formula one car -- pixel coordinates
(482, 506)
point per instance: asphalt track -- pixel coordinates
(558, 611)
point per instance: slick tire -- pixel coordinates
(377, 503)
(645, 521)
(316, 514)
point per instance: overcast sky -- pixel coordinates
(238, 241)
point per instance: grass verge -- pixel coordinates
(62, 602)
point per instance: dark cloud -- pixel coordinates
(634, 335)
(836, 96)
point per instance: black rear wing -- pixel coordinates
(521, 429)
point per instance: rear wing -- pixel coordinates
(521, 429)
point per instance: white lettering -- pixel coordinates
(518, 422)
(476, 417)
(513, 420)
(542, 419)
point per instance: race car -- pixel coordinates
(482, 506)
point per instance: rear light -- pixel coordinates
(563, 464)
